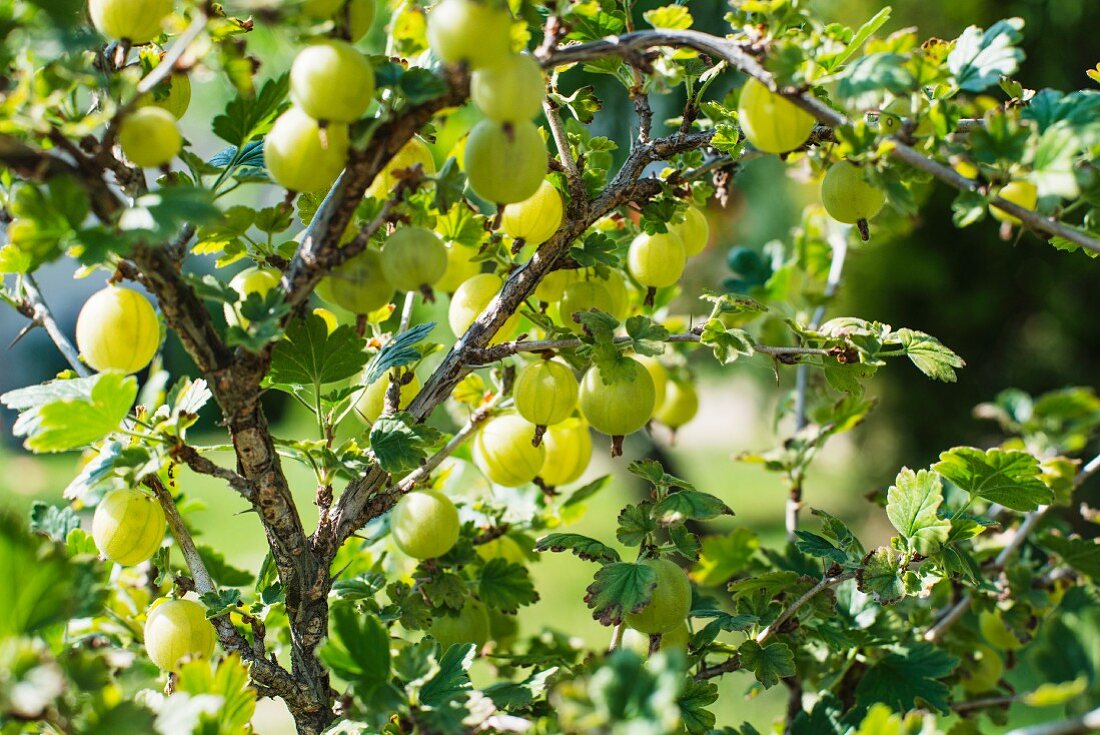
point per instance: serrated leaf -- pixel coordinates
(635, 523)
(310, 355)
(727, 344)
(52, 521)
(689, 505)
(929, 355)
(724, 556)
(769, 663)
(1081, 554)
(67, 414)
(509, 695)
(452, 681)
(912, 504)
(620, 588)
(582, 546)
(908, 678)
(693, 701)
(398, 352)
(647, 336)
(880, 575)
(1009, 477)
(505, 586)
(226, 679)
(218, 602)
(980, 58)
(654, 473)
(248, 116)
(357, 648)
(399, 443)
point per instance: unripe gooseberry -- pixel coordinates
(117, 329)
(656, 371)
(694, 231)
(982, 671)
(680, 405)
(502, 547)
(619, 404)
(330, 80)
(671, 601)
(657, 260)
(300, 156)
(771, 122)
(1020, 192)
(128, 526)
(580, 297)
(534, 219)
(468, 625)
(471, 298)
(677, 638)
(371, 401)
(847, 196)
(553, 284)
(173, 95)
(615, 283)
(545, 392)
(175, 629)
(413, 259)
(149, 137)
(461, 267)
(416, 151)
(568, 452)
(358, 285)
(994, 629)
(510, 89)
(136, 21)
(424, 524)
(893, 117)
(505, 163)
(475, 32)
(355, 16)
(252, 280)
(505, 453)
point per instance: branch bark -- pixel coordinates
(39, 313)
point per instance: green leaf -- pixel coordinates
(675, 17)
(654, 473)
(450, 183)
(420, 85)
(67, 414)
(505, 586)
(648, 337)
(724, 556)
(865, 31)
(1010, 477)
(223, 573)
(452, 682)
(689, 505)
(1055, 693)
(161, 214)
(722, 621)
(509, 695)
(582, 494)
(357, 648)
(881, 575)
(908, 678)
(226, 679)
(980, 58)
(309, 355)
(398, 352)
(770, 583)
(862, 84)
(445, 589)
(912, 504)
(1081, 554)
(635, 523)
(52, 521)
(399, 443)
(586, 548)
(769, 663)
(819, 546)
(246, 117)
(929, 355)
(218, 602)
(620, 588)
(727, 344)
(693, 702)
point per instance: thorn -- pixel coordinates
(22, 333)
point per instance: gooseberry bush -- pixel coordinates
(440, 161)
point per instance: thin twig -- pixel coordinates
(393, 392)
(168, 63)
(838, 239)
(43, 317)
(191, 457)
(790, 612)
(557, 130)
(1088, 722)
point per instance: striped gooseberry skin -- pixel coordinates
(117, 329)
(621, 404)
(671, 601)
(424, 524)
(330, 80)
(300, 156)
(568, 452)
(136, 21)
(656, 261)
(128, 526)
(413, 258)
(536, 218)
(505, 453)
(470, 31)
(680, 404)
(770, 122)
(175, 629)
(509, 90)
(847, 196)
(545, 392)
(505, 163)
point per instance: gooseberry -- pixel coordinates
(355, 16)
(580, 297)
(694, 231)
(534, 219)
(471, 298)
(568, 452)
(680, 404)
(173, 95)
(300, 156)
(416, 151)
(545, 392)
(358, 285)
(117, 329)
(620, 404)
(670, 603)
(128, 526)
(413, 259)
(330, 80)
(175, 629)
(468, 625)
(553, 284)
(771, 122)
(149, 137)
(983, 671)
(475, 32)
(252, 280)
(847, 196)
(461, 267)
(657, 260)
(505, 163)
(505, 453)
(656, 371)
(424, 524)
(503, 547)
(1020, 192)
(136, 21)
(510, 89)
(371, 402)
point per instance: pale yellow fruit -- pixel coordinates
(136, 21)
(372, 400)
(128, 526)
(149, 137)
(176, 629)
(252, 280)
(300, 156)
(117, 330)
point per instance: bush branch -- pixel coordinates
(39, 313)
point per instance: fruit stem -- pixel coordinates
(617, 446)
(540, 430)
(864, 230)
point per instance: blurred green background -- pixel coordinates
(1020, 313)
